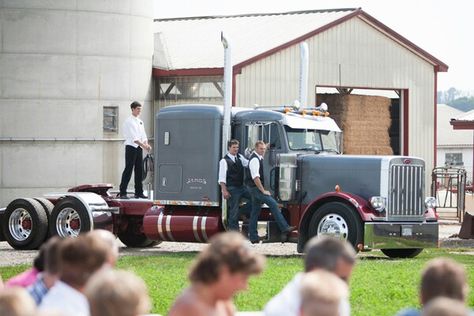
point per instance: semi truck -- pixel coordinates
(373, 202)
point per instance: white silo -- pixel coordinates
(61, 63)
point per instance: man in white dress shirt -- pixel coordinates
(79, 259)
(135, 142)
(231, 180)
(259, 195)
(321, 253)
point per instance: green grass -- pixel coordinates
(379, 286)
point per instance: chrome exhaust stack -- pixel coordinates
(304, 66)
(226, 128)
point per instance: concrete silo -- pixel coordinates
(68, 72)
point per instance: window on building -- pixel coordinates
(194, 89)
(110, 119)
(453, 159)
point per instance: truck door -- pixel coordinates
(271, 134)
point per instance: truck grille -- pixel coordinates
(405, 200)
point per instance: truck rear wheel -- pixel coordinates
(402, 253)
(25, 224)
(133, 237)
(46, 204)
(338, 220)
(69, 218)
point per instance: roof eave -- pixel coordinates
(462, 124)
(439, 66)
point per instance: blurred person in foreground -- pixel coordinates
(321, 253)
(15, 301)
(117, 293)
(218, 273)
(110, 240)
(442, 277)
(443, 306)
(322, 293)
(79, 259)
(46, 279)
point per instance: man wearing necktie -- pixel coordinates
(231, 181)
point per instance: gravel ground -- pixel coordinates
(9, 256)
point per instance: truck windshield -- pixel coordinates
(310, 139)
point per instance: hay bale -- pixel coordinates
(365, 120)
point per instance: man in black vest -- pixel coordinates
(231, 180)
(255, 184)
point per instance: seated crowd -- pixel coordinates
(77, 276)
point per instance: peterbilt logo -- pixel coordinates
(406, 161)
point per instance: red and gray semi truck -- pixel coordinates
(373, 202)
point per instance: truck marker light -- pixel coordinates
(337, 188)
(316, 113)
(286, 110)
(326, 114)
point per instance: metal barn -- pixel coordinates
(348, 49)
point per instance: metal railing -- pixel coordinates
(448, 185)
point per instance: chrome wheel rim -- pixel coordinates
(20, 224)
(333, 225)
(68, 223)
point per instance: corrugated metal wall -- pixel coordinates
(352, 54)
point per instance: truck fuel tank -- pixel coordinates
(186, 225)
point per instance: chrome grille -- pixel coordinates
(405, 192)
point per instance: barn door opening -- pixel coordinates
(372, 120)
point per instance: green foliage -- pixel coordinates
(379, 285)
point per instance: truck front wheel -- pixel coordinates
(402, 253)
(25, 224)
(338, 220)
(133, 236)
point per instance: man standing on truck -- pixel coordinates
(135, 140)
(231, 180)
(255, 184)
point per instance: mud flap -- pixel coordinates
(467, 227)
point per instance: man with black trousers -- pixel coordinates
(135, 142)
(255, 184)
(231, 181)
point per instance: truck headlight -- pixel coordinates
(431, 202)
(378, 203)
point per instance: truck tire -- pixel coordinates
(133, 237)
(339, 220)
(402, 253)
(69, 218)
(46, 204)
(25, 224)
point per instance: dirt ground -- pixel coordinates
(9, 256)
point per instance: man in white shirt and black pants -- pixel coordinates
(135, 141)
(231, 180)
(255, 184)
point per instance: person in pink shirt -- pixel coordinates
(28, 277)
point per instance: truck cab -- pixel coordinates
(374, 202)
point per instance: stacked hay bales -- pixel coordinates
(365, 121)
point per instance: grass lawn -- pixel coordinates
(379, 286)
